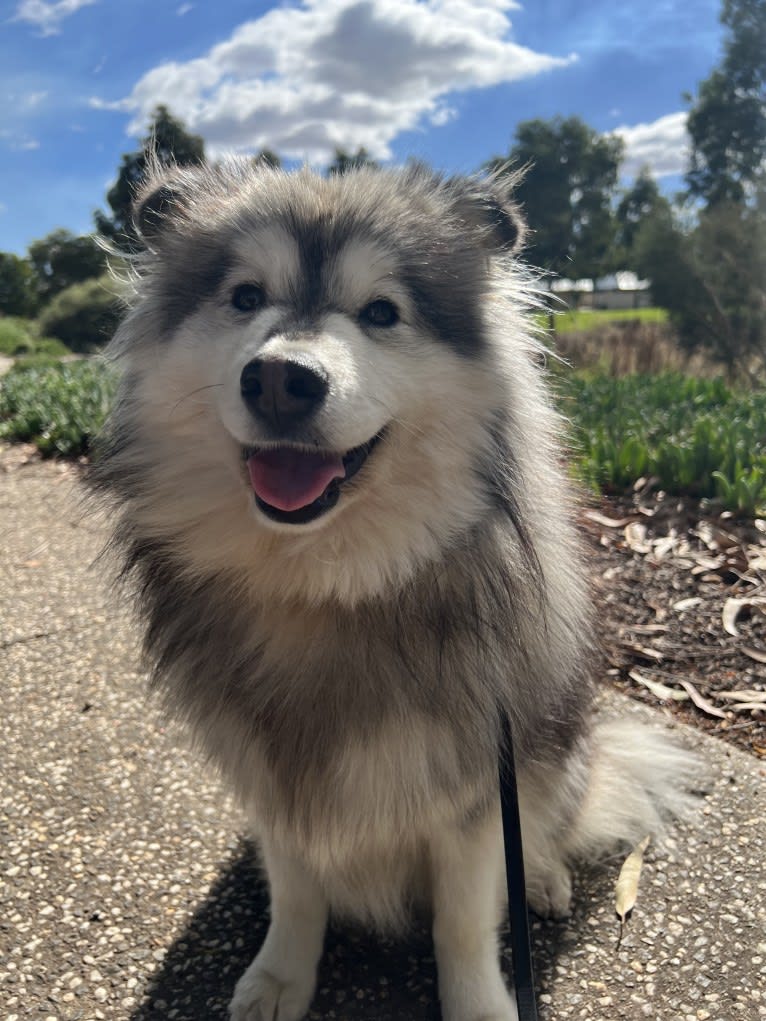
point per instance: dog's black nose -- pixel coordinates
(283, 392)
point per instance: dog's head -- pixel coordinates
(310, 366)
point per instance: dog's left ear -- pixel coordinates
(485, 205)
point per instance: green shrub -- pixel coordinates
(20, 336)
(60, 408)
(84, 316)
(695, 436)
(17, 335)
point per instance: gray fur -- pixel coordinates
(348, 680)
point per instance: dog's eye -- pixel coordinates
(247, 297)
(380, 313)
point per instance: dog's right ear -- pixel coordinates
(157, 207)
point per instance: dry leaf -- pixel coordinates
(732, 609)
(626, 889)
(642, 650)
(701, 702)
(647, 629)
(687, 604)
(635, 537)
(657, 688)
(749, 707)
(663, 546)
(602, 519)
(756, 654)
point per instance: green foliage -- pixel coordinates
(20, 336)
(18, 291)
(727, 121)
(696, 437)
(712, 280)
(83, 316)
(640, 201)
(583, 319)
(345, 161)
(61, 259)
(60, 408)
(566, 193)
(166, 142)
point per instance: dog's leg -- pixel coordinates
(280, 983)
(468, 903)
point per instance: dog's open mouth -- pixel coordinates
(294, 486)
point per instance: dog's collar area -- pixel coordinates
(294, 486)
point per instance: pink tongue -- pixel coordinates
(288, 479)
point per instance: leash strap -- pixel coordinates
(523, 972)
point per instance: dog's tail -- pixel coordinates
(640, 779)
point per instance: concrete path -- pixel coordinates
(128, 893)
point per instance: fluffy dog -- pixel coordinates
(338, 491)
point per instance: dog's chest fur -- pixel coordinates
(349, 728)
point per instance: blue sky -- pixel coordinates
(443, 80)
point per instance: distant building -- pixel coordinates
(619, 290)
(622, 290)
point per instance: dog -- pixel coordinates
(337, 484)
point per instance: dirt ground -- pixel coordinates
(681, 610)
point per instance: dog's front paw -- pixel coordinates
(480, 1008)
(259, 996)
(550, 895)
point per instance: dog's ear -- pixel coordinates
(164, 200)
(485, 204)
(155, 207)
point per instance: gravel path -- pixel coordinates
(129, 894)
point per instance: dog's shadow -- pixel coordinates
(361, 977)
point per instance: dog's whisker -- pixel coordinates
(199, 389)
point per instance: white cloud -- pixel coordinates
(18, 143)
(47, 14)
(306, 79)
(663, 146)
(33, 99)
(184, 9)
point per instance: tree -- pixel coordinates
(566, 193)
(61, 259)
(344, 161)
(712, 279)
(267, 158)
(166, 141)
(727, 121)
(639, 202)
(18, 292)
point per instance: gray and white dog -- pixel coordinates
(338, 491)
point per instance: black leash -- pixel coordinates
(523, 972)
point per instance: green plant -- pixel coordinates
(59, 408)
(83, 316)
(695, 436)
(19, 336)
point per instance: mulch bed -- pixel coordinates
(681, 610)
